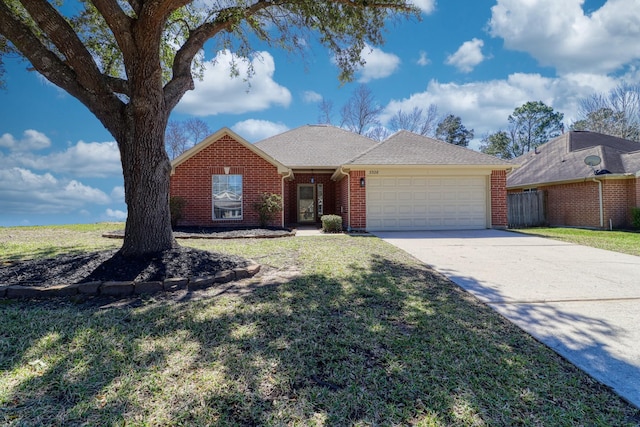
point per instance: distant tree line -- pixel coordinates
(616, 113)
(361, 114)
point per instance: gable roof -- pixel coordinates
(315, 146)
(562, 159)
(408, 148)
(215, 137)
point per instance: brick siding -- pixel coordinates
(577, 204)
(358, 195)
(499, 199)
(619, 197)
(192, 181)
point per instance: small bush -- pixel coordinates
(635, 217)
(331, 223)
(176, 207)
(267, 207)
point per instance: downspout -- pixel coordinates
(601, 201)
(339, 172)
(349, 201)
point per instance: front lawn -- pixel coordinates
(618, 241)
(335, 330)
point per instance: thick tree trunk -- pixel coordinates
(146, 169)
(145, 164)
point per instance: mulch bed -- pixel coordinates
(110, 265)
(104, 266)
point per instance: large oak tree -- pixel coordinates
(131, 61)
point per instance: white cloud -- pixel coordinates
(31, 140)
(311, 97)
(485, 105)
(378, 64)
(117, 194)
(23, 191)
(257, 130)
(468, 55)
(423, 60)
(115, 214)
(561, 35)
(220, 92)
(426, 6)
(84, 159)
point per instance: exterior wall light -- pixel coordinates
(362, 182)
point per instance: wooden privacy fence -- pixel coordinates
(526, 209)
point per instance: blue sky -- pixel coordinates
(476, 59)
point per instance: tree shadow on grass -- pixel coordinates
(389, 342)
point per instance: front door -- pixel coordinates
(306, 203)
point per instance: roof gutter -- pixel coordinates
(341, 172)
(573, 180)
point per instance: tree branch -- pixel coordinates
(225, 20)
(59, 71)
(45, 61)
(135, 5)
(182, 78)
(117, 85)
(117, 20)
(66, 40)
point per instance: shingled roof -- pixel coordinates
(562, 159)
(407, 148)
(315, 146)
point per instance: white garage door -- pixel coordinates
(426, 203)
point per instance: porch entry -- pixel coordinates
(310, 202)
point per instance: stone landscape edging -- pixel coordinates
(127, 288)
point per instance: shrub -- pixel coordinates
(635, 217)
(331, 223)
(267, 207)
(176, 207)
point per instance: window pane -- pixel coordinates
(306, 192)
(227, 196)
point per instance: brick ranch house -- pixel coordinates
(407, 182)
(577, 194)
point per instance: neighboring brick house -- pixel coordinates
(577, 194)
(407, 182)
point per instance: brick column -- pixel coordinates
(358, 202)
(499, 199)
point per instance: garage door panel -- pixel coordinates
(420, 210)
(426, 203)
(404, 196)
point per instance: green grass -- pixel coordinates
(341, 331)
(618, 241)
(19, 243)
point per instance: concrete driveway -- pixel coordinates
(582, 302)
